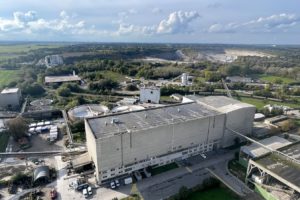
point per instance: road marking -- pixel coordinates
(189, 169)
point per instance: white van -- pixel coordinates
(85, 193)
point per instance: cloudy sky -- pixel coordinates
(180, 21)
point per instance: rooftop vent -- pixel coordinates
(115, 120)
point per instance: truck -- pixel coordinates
(127, 180)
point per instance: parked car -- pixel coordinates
(112, 185)
(53, 194)
(147, 173)
(137, 175)
(90, 191)
(85, 193)
(117, 183)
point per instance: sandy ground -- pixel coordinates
(232, 52)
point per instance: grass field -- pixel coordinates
(23, 48)
(7, 76)
(8, 51)
(260, 103)
(113, 75)
(213, 194)
(272, 79)
(3, 141)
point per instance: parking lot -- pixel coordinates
(156, 187)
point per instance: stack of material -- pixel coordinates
(53, 133)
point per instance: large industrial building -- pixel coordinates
(122, 143)
(10, 98)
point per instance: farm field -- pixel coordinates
(7, 76)
(8, 51)
(273, 79)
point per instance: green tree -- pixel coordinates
(17, 127)
(183, 193)
(63, 91)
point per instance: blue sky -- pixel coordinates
(182, 21)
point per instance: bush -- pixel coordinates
(64, 91)
(33, 90)
(131, 87)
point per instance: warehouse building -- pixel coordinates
(122, 143)
(63, 79)
(10, 98)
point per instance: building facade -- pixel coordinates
(149, 94)
(10, 98)
(120, 144)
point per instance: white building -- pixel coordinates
(238, 79)
(122, 143)
(149, 94)
(10, 98)
(53, 60)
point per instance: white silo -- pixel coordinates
(184, 79)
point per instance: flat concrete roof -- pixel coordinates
(10, 90)
(281, 167)
(274, 142)
(149, 118)
(221, 103)
(60, 79)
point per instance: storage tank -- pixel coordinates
(88, 110)
(184, 79)
(127, 108)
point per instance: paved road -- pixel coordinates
(221, 172)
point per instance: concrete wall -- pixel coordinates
(92, 149)
(240, 120)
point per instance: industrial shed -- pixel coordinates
(41, 175)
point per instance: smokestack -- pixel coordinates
(74, 74)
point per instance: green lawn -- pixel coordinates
(7, 76)
(212, 194)
(3, 141)
(113, 75)
(260, 103)
(272, 79)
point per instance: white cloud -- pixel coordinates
(29, 23)
(177, 22)
(262, 24)
(130, 29)
(275, 21)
